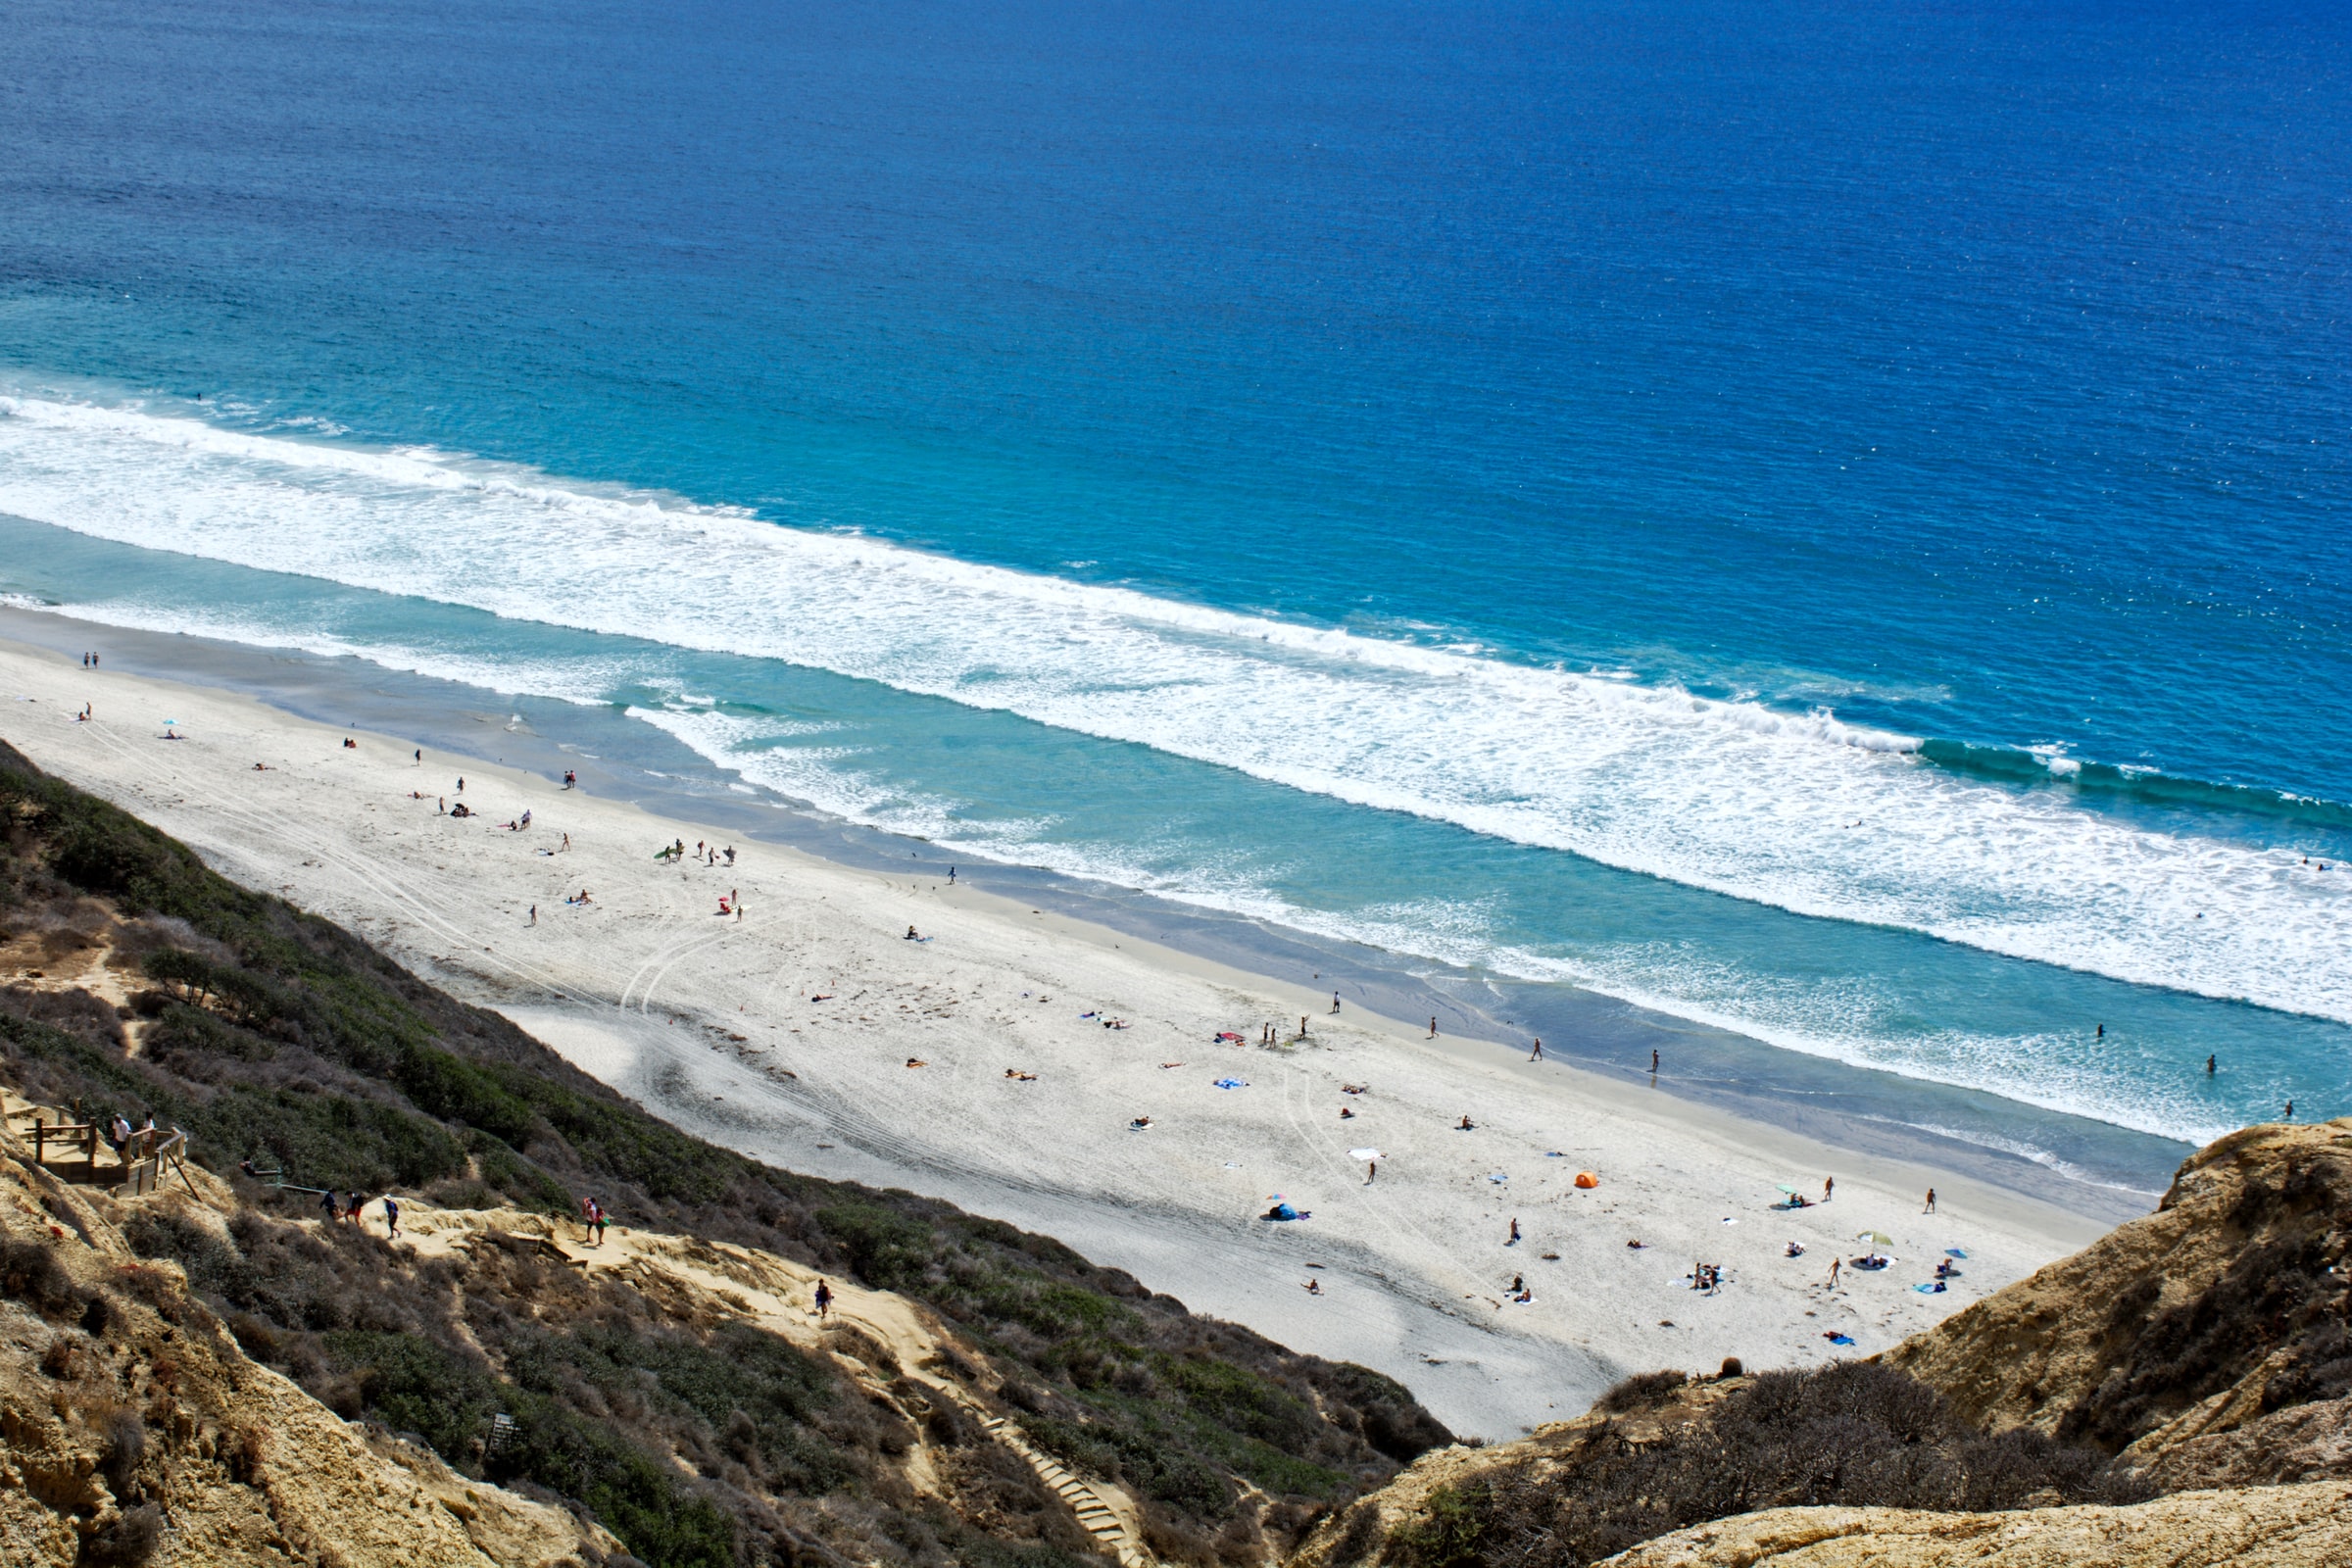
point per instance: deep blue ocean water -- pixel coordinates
(1830, 520)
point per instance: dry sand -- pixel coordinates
(714, 1024)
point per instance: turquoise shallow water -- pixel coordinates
(1827, 524)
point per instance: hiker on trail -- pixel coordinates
(117, 1138)
(824, 1300)
(359, 1219)
(328, 1202)
(587, 1218)
(602, 1220)
(391, 1217)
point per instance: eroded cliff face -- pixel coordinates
(132, 1423)
(2209, 1340)
(2275, 1527)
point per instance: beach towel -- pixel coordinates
(1227, 1034)
(1496, 1176)
(1233, 1083)
(1838, 1339)
(1954, 1251)
(1932, 1288)
(1365, 1153)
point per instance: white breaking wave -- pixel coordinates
(1797, 810)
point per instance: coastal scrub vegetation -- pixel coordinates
(1851, 1435)
(274, 1036)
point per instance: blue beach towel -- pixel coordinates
(1233, 1083)
(1838, 1339)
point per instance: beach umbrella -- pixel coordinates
(1365, 1153)
(1876, 1238)
(1786, 1188)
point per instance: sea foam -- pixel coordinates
(1795, 809)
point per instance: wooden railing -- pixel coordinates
(143, 1158)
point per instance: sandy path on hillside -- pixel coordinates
(714, 1024)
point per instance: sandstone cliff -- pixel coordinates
(133, 1422)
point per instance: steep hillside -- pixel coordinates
(133, 1421)
(2209, 1342)
(138, 981)
(2081, 1415)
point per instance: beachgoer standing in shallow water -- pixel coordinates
(2291, 1111)
(2209, 1066)
(1653, 1061)
(824, 1300)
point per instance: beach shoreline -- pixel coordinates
(716, 1023)
(2055, 1155)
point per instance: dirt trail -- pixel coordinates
(874, 1335)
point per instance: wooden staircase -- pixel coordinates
(1094, 1514)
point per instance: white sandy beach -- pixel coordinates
(714, 1024)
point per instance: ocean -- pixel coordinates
(1826, 523)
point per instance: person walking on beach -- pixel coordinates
(534, 914)
(1514, 1240)
(1931, 1208)
(1653, 1061)
(1833, 1266)
(1537, 1054)
(1829, 1185)
(461, 786)
(1335, 1002)
(1433, 1026)
(1371, 1171)
(419, 757)
(824, 1300)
